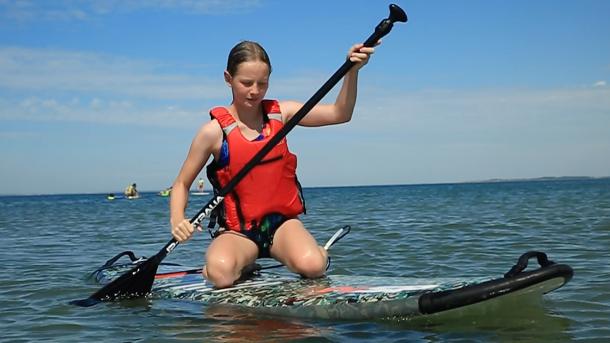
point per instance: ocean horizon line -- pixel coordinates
(492, 180)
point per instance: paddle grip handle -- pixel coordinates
(385, 26)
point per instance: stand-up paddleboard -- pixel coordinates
(200, 193)
(354, 297)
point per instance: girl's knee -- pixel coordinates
(221, 273)
(225, 257)
(311, 266)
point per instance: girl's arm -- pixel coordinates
(341, 111)
(201, 149)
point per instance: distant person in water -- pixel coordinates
(200, 185)
(131, 191)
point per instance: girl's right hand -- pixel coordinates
(183, 231)
(360, 55)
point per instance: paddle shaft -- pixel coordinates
(382, 29)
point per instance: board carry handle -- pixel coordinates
(543, 261)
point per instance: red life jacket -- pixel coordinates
(270, 187)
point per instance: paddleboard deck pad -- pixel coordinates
(352, 297)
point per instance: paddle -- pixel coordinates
(138, 281)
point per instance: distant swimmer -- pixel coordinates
(131, 191)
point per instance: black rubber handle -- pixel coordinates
(543, 261)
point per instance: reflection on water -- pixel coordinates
(195, 322)
(508, 320)
(239, 325)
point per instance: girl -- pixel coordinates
(259, 218)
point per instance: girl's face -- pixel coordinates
(249, 84)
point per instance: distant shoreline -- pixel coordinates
(542, 178)
(494, 180)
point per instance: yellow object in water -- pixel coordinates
(165, 192)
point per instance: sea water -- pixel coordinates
(51, 243)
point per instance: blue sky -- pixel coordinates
(95, 95)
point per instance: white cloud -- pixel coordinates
(196, 6)
(58, 85)
(18, 135)
(460, 135)
(64, 10)
(99, 111)
(502, 108)
(601, 83)
(33, 70)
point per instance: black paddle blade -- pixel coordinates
(135, 283)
